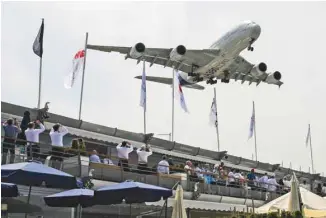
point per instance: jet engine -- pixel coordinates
(137, 51)
(177, 53)
(259, 70)
(274, 78)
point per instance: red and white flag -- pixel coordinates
(178, 91)
(77, 67)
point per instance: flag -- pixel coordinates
(143, 89)
(38, 42)
(213, 113)
(178, 92)
(252, 124)
(308, 136)
(77, 66)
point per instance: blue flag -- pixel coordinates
(143, 89)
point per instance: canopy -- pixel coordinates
(9, 190)
(70, 198)
(131, 192)
(34, 174)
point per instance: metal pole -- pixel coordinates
(145, 105)
(216, 122)
(39, 85)
(166, 208)
(82, 86)
(172, 133)
(312, 159)
(253, 104)
(28, 198)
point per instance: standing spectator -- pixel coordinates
(163, 166)
(198, 171)
(23, 126)
(57, 135)
(238, 178)
(124, 149)
(251, 178)
(143, 153)
(32, 137)
(263, 182)
(94, 158)
(11, 131)
(188, 168)
(272, 184)
(231, 179)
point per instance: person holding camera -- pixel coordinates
(124, 149)
(57, 135)
(143, 153)
(32, 137)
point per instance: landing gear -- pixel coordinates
(250, 48)
(225, 80)
(211, 81)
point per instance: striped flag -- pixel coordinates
(213, 113)
(252, 124)
(178, 91)
(77, 66)
(308, 136)
(143, 89)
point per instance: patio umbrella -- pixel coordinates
(72, 198)
(9, 190)
(35, 174)
(179, 210)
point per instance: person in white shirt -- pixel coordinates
(124, 149)
(94, 158)
(108, 161)
(143, 153)
(198, 171)
(57, 135)
(263, 181)
(231, 179)
(188, 168)
(272, 184)
(32, 138)
(163, 166)
(239, 179)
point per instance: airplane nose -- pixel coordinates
(256, 30)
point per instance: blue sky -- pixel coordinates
(292, 41)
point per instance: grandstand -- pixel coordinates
(104, 140)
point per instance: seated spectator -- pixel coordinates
(32, 137)
(272, 184)
(94, 158)
(108, 161)
(57, 135)
(263, 182)
(231, 180)
(143, 153)
(11, 131)
(163, 166)
(124, 149)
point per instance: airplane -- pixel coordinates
(221, 61)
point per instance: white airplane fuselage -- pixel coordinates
(230, 45)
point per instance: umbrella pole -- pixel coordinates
(130, 211)
(28, 198)
(166, 208)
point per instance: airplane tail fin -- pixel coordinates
(168, 81)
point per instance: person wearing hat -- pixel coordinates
(143, 153)
(163, 166)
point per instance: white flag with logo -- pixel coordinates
(77, 67)
(178, 91)
(213, 113)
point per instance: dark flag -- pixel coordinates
(38, 43)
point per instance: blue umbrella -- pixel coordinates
(70, 198)
(9, 190)
(131, 192)
(34, 174)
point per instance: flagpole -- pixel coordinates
(253, 104)
(216, 122)
(40, 77)
(82, 85)
(172, 132)
(312, 159)
(145, 105)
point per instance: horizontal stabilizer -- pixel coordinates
(169, 81)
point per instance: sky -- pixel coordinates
(292, 41)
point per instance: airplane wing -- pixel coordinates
(161, 56)
(240, 70)
(169, 81)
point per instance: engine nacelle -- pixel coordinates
(177, 53)
(259, 70)
(274, 78)
(137, 51)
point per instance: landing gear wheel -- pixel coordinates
(250, 48)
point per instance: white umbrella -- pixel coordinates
(179, 210)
